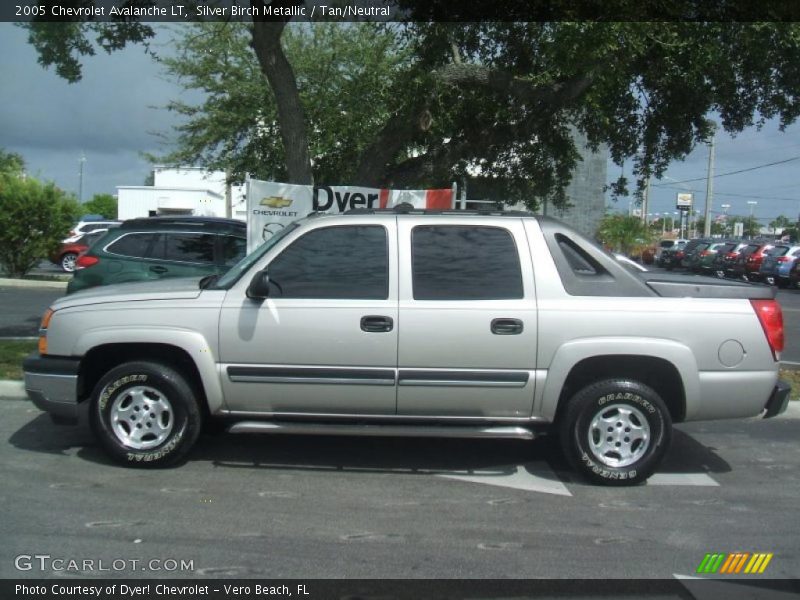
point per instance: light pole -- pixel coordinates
(80, 178)
(752, 204)
(725, 208)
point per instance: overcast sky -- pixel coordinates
(111, 115)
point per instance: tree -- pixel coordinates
(345, 75)
(34, 218)
(101, 204)
(11, 163)
(624, 234)
(502, 98)
(781, 222)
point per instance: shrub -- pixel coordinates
(34, 218)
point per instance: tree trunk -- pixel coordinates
(291, 117)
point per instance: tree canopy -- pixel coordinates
(101, 204)
(421, 104)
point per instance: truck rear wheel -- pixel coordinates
(145, 414)
(616, 432)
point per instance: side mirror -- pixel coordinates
(259, 286)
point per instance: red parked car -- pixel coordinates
(67, 254)
(748, 263)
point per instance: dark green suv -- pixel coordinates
(160, 247)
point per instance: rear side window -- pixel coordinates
(452, 262)
(778, 251)
(349, 261)
(185, 247)
(132, 245)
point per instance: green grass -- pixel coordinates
(11, 354)
(793, 379)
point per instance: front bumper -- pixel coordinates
(52, 385)
(778, 400)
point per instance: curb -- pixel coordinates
(32, 283)
(14, 390)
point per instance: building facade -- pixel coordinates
(182, 191)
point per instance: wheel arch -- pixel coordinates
(667, 367)
(198, 366)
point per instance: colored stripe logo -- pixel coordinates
(735, 563)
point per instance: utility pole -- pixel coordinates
(646, 200)
(709, 183)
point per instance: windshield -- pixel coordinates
(240, 268)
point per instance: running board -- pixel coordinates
(436, 431)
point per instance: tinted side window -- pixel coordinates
(185, 247)
(464, 263)
(134, 245)
(334, 262)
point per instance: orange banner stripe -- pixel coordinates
(739, 566)
(724, 568)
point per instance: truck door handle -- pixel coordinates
(507, 326)
(376, 324)
(159, 270)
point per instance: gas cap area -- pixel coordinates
(731, 353)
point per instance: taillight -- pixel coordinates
(86, 260)
(679, 254)
(771, 318)
(784, 259)
(704, 253)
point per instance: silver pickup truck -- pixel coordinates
(448, 324)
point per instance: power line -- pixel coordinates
(772, 164)
(759, 197)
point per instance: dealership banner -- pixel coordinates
(272, 206)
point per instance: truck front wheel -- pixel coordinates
(615, 432)
(145, 414)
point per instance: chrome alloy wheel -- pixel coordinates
(141, 417)
(619, 435)
(68, 262)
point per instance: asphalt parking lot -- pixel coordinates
(324, 507)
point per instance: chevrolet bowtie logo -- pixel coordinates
(276, 202)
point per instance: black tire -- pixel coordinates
(626, 407)
(145, 414)
(67, 262)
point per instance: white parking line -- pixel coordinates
(532, 477)
(696, 479)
